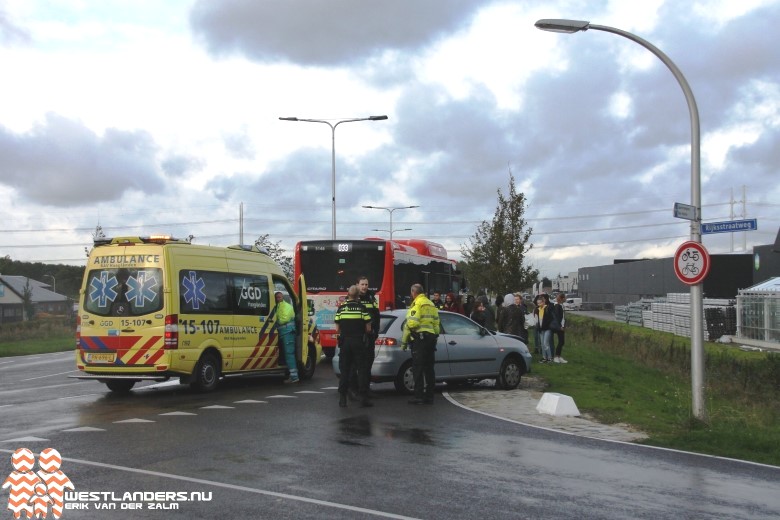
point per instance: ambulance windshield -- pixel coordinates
(123, 292)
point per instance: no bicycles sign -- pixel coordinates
(691, 262)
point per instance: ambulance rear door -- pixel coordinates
(302, 319)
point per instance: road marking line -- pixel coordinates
(76, 396)
(562, 432)
(127, 421)
(233, 487)
(50, 375)
(25, 439)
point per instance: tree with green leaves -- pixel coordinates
(28, 305)
(495, 257)
(277, 253)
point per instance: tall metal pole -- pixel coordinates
(697, 309)
(391, 210)
(333, 156)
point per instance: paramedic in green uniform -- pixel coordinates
(285, 327)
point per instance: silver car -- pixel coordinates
(465, 352)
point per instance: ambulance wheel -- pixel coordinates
(206, 374)
(120, 386)
(307, 371)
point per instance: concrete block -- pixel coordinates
(556, 404)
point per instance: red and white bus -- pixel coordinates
(331, 266)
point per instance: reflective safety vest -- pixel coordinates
(352, 318)
(422, 316)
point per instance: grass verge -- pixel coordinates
(26, 347)
(626, 374)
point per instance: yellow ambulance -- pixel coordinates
(153, 308)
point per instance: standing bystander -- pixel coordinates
(544, 317)
(513, 318)
(560, 313)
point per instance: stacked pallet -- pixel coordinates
(621, 313)
(673, 314)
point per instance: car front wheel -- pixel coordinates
(509, 374)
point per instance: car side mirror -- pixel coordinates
(483, 331)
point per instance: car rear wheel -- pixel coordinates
(404, 381)
(206, 373)
(509, 374)
(120, 386)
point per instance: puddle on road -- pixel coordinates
(358, 430)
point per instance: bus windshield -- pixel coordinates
(334, 266)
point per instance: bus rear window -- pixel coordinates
(335, 271)
(123, 291)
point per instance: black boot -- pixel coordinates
(343, 400)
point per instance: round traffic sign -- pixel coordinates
(691, 262)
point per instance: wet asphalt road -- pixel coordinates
(260, 449)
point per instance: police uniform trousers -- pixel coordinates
(423, 359)
(352, 363)
(370, 354)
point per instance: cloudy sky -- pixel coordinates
(144, 116)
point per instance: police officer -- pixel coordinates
(368, 299)
(285, 327)
(353, 324)
(421, 332)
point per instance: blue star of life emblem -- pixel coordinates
(193, 290)
(102, 290)
(141, 288)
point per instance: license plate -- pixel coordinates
(100, 357)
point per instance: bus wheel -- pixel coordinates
(120, 386)
(206, 374)
(307, 371)
(404, 381)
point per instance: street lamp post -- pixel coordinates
(391, 231)
(54, 282)
(333, 154)
(697, 310)
(391, 210)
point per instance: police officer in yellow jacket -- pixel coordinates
(421, 332)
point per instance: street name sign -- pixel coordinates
(729, 226)
(685, 211)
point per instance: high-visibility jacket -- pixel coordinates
(352, 319)
(422, 316)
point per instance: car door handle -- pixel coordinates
(452, 343)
